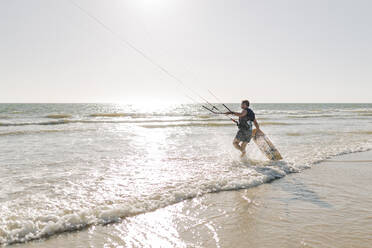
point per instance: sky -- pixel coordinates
(261, 50)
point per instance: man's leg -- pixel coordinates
(243, 146)
(236, 144)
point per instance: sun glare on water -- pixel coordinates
(150, 106)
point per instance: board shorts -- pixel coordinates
(244, 135)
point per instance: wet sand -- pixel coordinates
(329, 205)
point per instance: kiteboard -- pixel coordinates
(266, 146)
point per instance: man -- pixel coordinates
(244, 135)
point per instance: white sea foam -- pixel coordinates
(12, 231)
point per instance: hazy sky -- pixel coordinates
(263, 50)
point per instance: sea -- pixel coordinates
(67, 167)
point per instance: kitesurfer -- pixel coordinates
(244, 134)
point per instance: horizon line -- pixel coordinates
(131, 103)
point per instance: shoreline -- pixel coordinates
(307, 209)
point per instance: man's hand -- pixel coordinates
(229, 113)
(259, 131)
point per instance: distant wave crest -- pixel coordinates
(58, 116)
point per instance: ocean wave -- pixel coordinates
(365, 114)
(38, 227)
(204, 116)
(109, 115)
(344, 152)
(328, 133)
(14, 231)
(211, 124)
(361, 132)
(274, 123)
(288, 112)
(148, 115)
(151, 115)
(294, 134)
(58, 116)
(368, 111)
(311, 116)
(30, 132)
(35, 123)
(188, 125)
(66, 121)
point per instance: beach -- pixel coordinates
(176, 124)
(326, 206)
(78, 175)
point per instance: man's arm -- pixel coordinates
(257, 126)
(242, 114)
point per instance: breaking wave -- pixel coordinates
(30, 132)
(58, 116)
(310, 116)
(211, 124)
(189, 125)
(39, 227)
(362, 132)
(179, 123)
(273, 123)
(109, 115)
(35, 123)
(45, 226)
(66, 121)
(294, 134)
